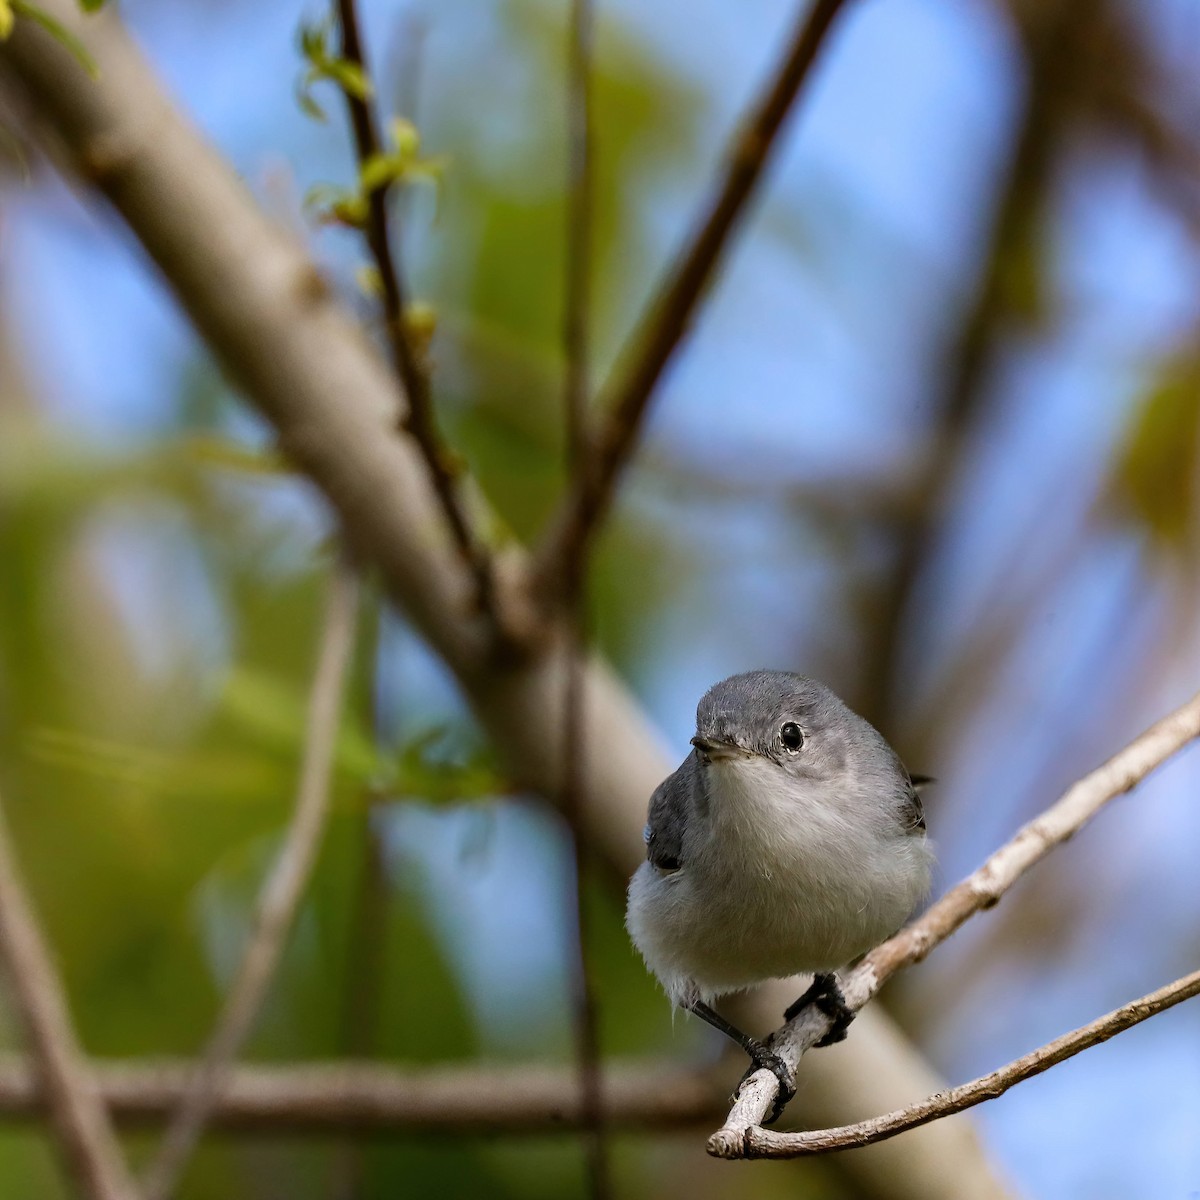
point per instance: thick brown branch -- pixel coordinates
(280, 895)
(361, 1099)
(766, 1143)
(666, 322)
(580, 202)
(418, 417)
(60, 1071)
(983, 889)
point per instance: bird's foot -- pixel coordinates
(761, 1059)
(825, 994)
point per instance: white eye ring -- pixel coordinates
(791, 737)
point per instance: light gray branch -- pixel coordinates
(983, 889)
(366, 1098)
(281, 892)
(766, 1143)
(274, 325)
(60, 1071)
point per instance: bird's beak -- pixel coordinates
(713, 748)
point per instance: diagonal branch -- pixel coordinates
(766, 1143)
(418, 417)
(280, 895)
(982, 889)
(81, 1124)
(665, 324)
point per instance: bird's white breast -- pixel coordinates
(782, 877)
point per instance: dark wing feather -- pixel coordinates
(912, 811)
(669, 808)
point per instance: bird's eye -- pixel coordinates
(791, 737)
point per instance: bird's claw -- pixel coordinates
(770, 1061)
(825, 994)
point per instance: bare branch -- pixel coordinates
(666, 322)
(280, 895)
(580, 201)
(766, 1143)
(418, 417)
(278, 331)
(576, 347)
(361, 1099)
(982, 889)
(85, 1134)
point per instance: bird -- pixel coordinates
(790, 840)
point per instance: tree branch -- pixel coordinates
(576, 347)
(274, 326)
(982, 889)
(361, 1099)
(418, 417)
(578, 258)
(279, 897)
(85, 1134)
(665, 324)
(766, 1143)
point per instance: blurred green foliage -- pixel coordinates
(1159, 458)
(323, 64)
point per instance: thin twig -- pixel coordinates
(766, 1143)
(578, 260)
(359, 1099)
(418, 417)
(586, 1016)
(366, 937)
(982, 889)
(280, 895)
(82, 1126)
(302, 365)
(671, 311)
(364, 976)
(576, 347)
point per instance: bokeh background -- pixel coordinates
(934, 440)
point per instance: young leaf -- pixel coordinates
(380, 171)
(368, 279)
(348, 76)
(56, 30)
(308, 104)
(405, 137)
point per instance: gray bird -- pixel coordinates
(790, 840)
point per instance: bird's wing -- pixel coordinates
(669, 807)
(912, 811)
